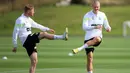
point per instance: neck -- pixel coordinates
(25, 14)
(95, 12)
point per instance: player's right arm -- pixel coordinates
(17, 26)
(86, 25)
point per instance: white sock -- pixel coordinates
(58, 37)
(90, 71)
(83, 47)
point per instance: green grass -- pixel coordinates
(60, 17)
(112, 56)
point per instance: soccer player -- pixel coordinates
(22, 29)
(93, 22)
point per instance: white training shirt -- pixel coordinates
(22, 28)
(91, 19)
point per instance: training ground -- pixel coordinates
(112, 56)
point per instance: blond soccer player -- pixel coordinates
(93, 22)
(22, 29)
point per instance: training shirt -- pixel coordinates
(22, 28)
(90, 20)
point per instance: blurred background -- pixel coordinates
(112, 56)
(58, 14)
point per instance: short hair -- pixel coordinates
(94, 1)
(28, 7)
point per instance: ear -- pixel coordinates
(27, 12)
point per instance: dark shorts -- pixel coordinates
(91, 49)
(30, 43)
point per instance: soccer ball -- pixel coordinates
(70, 54)
(4, 58)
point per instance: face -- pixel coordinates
(96, 7)
(30, 12)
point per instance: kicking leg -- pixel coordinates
(34, 61)
(53, 37)
(92, 42)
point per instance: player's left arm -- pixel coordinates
(106, 24)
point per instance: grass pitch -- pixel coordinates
(112, 56)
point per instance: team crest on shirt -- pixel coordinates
(99, 18)
(26, 21)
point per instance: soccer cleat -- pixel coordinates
(75, 51)
(65, 35)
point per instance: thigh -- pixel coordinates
(98, 41)
(32, 38)
(95, 41)
(46, 35)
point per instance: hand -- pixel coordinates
(51, 31)
(108, 30)
(98, 27)
(14, 50)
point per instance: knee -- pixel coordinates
(34, 62)
(97, 39)
(42, 35)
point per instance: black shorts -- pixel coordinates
(91, 49)
(30, 43)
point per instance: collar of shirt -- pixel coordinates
(24, 16)
(94, 13)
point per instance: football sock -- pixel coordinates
(90, 71)
(58, 37)
(83, 47)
